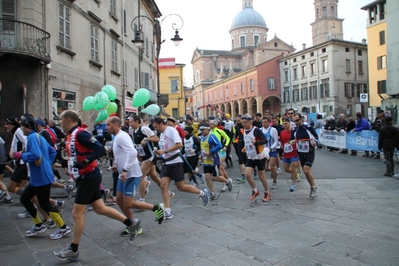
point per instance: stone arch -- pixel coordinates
(253, 106)
(229, 110)
(272, 104)
(223, 108)
(244, 107)
(236, 109)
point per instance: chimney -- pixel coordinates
(303, 46)
(364, 41)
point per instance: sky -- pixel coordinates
(206, 24)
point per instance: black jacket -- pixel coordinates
(341, 124)
(388, 137)
(350, 126)
(330, 125)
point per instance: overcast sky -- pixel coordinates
(207, 24)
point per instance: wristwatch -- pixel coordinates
(124, 170)
(165, 151)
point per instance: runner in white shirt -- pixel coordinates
(170, 144)
(127, 165)
(271, 135)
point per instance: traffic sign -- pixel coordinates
(364, 97)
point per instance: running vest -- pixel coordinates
(205, 148)
(146, 151)
(77, 153)
(189, 147)
(254, 152)
(270, 140)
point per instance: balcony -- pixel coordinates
(24, 39)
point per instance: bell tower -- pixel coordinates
(327, 25)
(247, 4)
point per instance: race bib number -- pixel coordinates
(99, 132)
(71, 170)
(108, 145)
(140, 150)
(251, 149)
(303, 146)
(278, 145)
(288, 148)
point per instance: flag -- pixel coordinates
(166, 63)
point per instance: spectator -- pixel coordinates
(388, 140)
(377, 126)
(349, 127)
(341, 124)
(362, 124)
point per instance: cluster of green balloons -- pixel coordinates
(140, 98)
(102, 100)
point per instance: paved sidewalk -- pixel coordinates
(353, 221)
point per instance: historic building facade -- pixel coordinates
(56, 53)
(331, 77)
(245, 79)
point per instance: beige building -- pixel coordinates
(331, 76)
(62, 51)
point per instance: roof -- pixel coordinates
(372, 4)
(248, 17)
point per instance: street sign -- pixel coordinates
(364, 97)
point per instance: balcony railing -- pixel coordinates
(23, 38)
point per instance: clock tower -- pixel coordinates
(327, 25)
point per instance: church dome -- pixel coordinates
(248, 17)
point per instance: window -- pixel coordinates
(381, 62)
(64, 23)
(323, 50)
(235, 89)
(359, 89)
(325, 66)
(347, 49)
(332, 11)
(311, 54)
(232, 44)
(175, 112)
(242, 88)
(313, 109)
(294, 60)
(382, 37)
(145, 81)
(227, 92)
(303, 68)
(94, 43)
(349, 90)
(251, 85)
(285, 63)
(295, 93)
(256, 40)
(348, 65)
(124, 22)
(317, 13)
(271, 84)
(286, 75)
(312, 69)
(136, 78)
(286, 95)
(113, 7)
(124, 73)
(359, 52)
(304, 91)
(210, 96)
(382, 86)
(146, 46)
(216, 95)
(295, 73)
(325, 108)
(174, 86)
(360, 67)
(325, 88)
(324, 11)
(303, 57)
(313, 90)
(114, 52)
(242, 41)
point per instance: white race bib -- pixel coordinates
(303, 146)
(250, 149)
(278, 145)
(288, 148)
(99, 132)
(140, 150)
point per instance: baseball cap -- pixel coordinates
(12, 120)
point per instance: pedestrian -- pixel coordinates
(348, 128)
(388, 140)
(173, 168)
(271, 135)
(305, 138)
(83, 151)
(362, 124)
(191, 151)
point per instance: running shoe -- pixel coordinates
(298, 176)
(241, 179)
(106, 195)
(313, 192)
(168, 216)
(60, 204)
(213, 196)
(24, 215)
(202, 178)
(68, 190)
(8, 201)
(109, 168)
(111, 200)
(71, 180)
(48, 224)
(160, 213)
(274, 185)
(134, 228)
(254, 195)
(267, 196)
(59, 233)
(229, 184)
(89, 208)
(224, 188)
(126, 232)
(205, 196)
(172, 194)
(66, 254)
(292, 188)
(36, 230)
(61, 181)
(147, 187)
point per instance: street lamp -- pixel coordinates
(138, 41)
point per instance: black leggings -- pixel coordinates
(115, 176)
(43, 196)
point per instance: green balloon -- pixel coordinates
(112, 108)
(102, 115)
(88, 103)
(141, 97)
(101, 100)
(110, 91)
(152, 109)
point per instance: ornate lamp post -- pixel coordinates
(138, 41)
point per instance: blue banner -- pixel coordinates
(365, 140)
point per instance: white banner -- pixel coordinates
(333, 138)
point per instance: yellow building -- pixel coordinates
(171, 84)
(377, 51)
